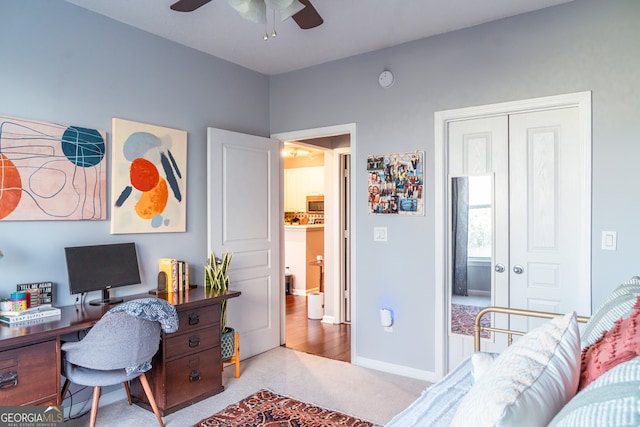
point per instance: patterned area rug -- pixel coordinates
(462, 318)
(266, 408)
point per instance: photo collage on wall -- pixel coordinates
(396, 183)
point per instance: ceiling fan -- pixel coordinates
(302, 11)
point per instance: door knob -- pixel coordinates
(518, 269)
(499, 268)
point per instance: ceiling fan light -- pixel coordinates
(286, 8)
(253, 10)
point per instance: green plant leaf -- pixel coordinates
(216, 278)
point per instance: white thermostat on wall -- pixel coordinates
(386, 79)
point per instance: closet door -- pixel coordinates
(549, 238)
(540, 237)
(479, 147)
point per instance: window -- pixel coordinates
(480, 217)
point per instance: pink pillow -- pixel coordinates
(617, 345)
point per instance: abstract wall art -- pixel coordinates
(51, 171)
(148, 178)
(396, 183)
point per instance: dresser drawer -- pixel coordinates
(198, 317)
(30, 374)
(177, 345)
(192, 376)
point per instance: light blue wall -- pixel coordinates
(61, 63)
(585, 45)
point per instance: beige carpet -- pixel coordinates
(360, 392)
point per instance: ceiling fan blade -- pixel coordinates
(188, 5)
(308, 17)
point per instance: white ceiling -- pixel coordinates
(350, 27)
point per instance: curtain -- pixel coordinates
(460, 230)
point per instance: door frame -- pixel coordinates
(582, 100)
(331, 257)
(342, 247)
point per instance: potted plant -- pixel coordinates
(216, 278)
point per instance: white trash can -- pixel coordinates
(315, 305)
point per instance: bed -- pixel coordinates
(558, 374)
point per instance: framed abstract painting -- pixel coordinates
(51, 171)
(148, 178)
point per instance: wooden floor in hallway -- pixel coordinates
(313, 336)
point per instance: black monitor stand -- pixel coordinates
(106, 299)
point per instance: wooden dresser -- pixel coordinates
(187, 368)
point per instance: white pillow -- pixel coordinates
(529, 382)
(481, 362)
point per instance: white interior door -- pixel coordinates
(244, 218)
(541, 212)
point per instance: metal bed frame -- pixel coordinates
(478, 328)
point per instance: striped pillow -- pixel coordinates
(611, 400)
(619, 304)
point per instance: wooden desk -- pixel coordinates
(33, 351)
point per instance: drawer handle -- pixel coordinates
(194, 341)
(194, 318)
(8, 380)
(194, 376)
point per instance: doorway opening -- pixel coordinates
(328, 333)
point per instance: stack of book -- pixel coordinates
(33, 297)
(19, 317)
(177, 273)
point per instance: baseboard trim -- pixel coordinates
(328, 319)
(396, 369)
(478, 293)
(112, 397)
(305, 292)
(83, 398)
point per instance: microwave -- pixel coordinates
(315, 204)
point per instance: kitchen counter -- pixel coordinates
(302, 227)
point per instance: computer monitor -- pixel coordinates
(100, 268)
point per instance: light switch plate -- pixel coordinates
(609, 240)
(379, 234)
